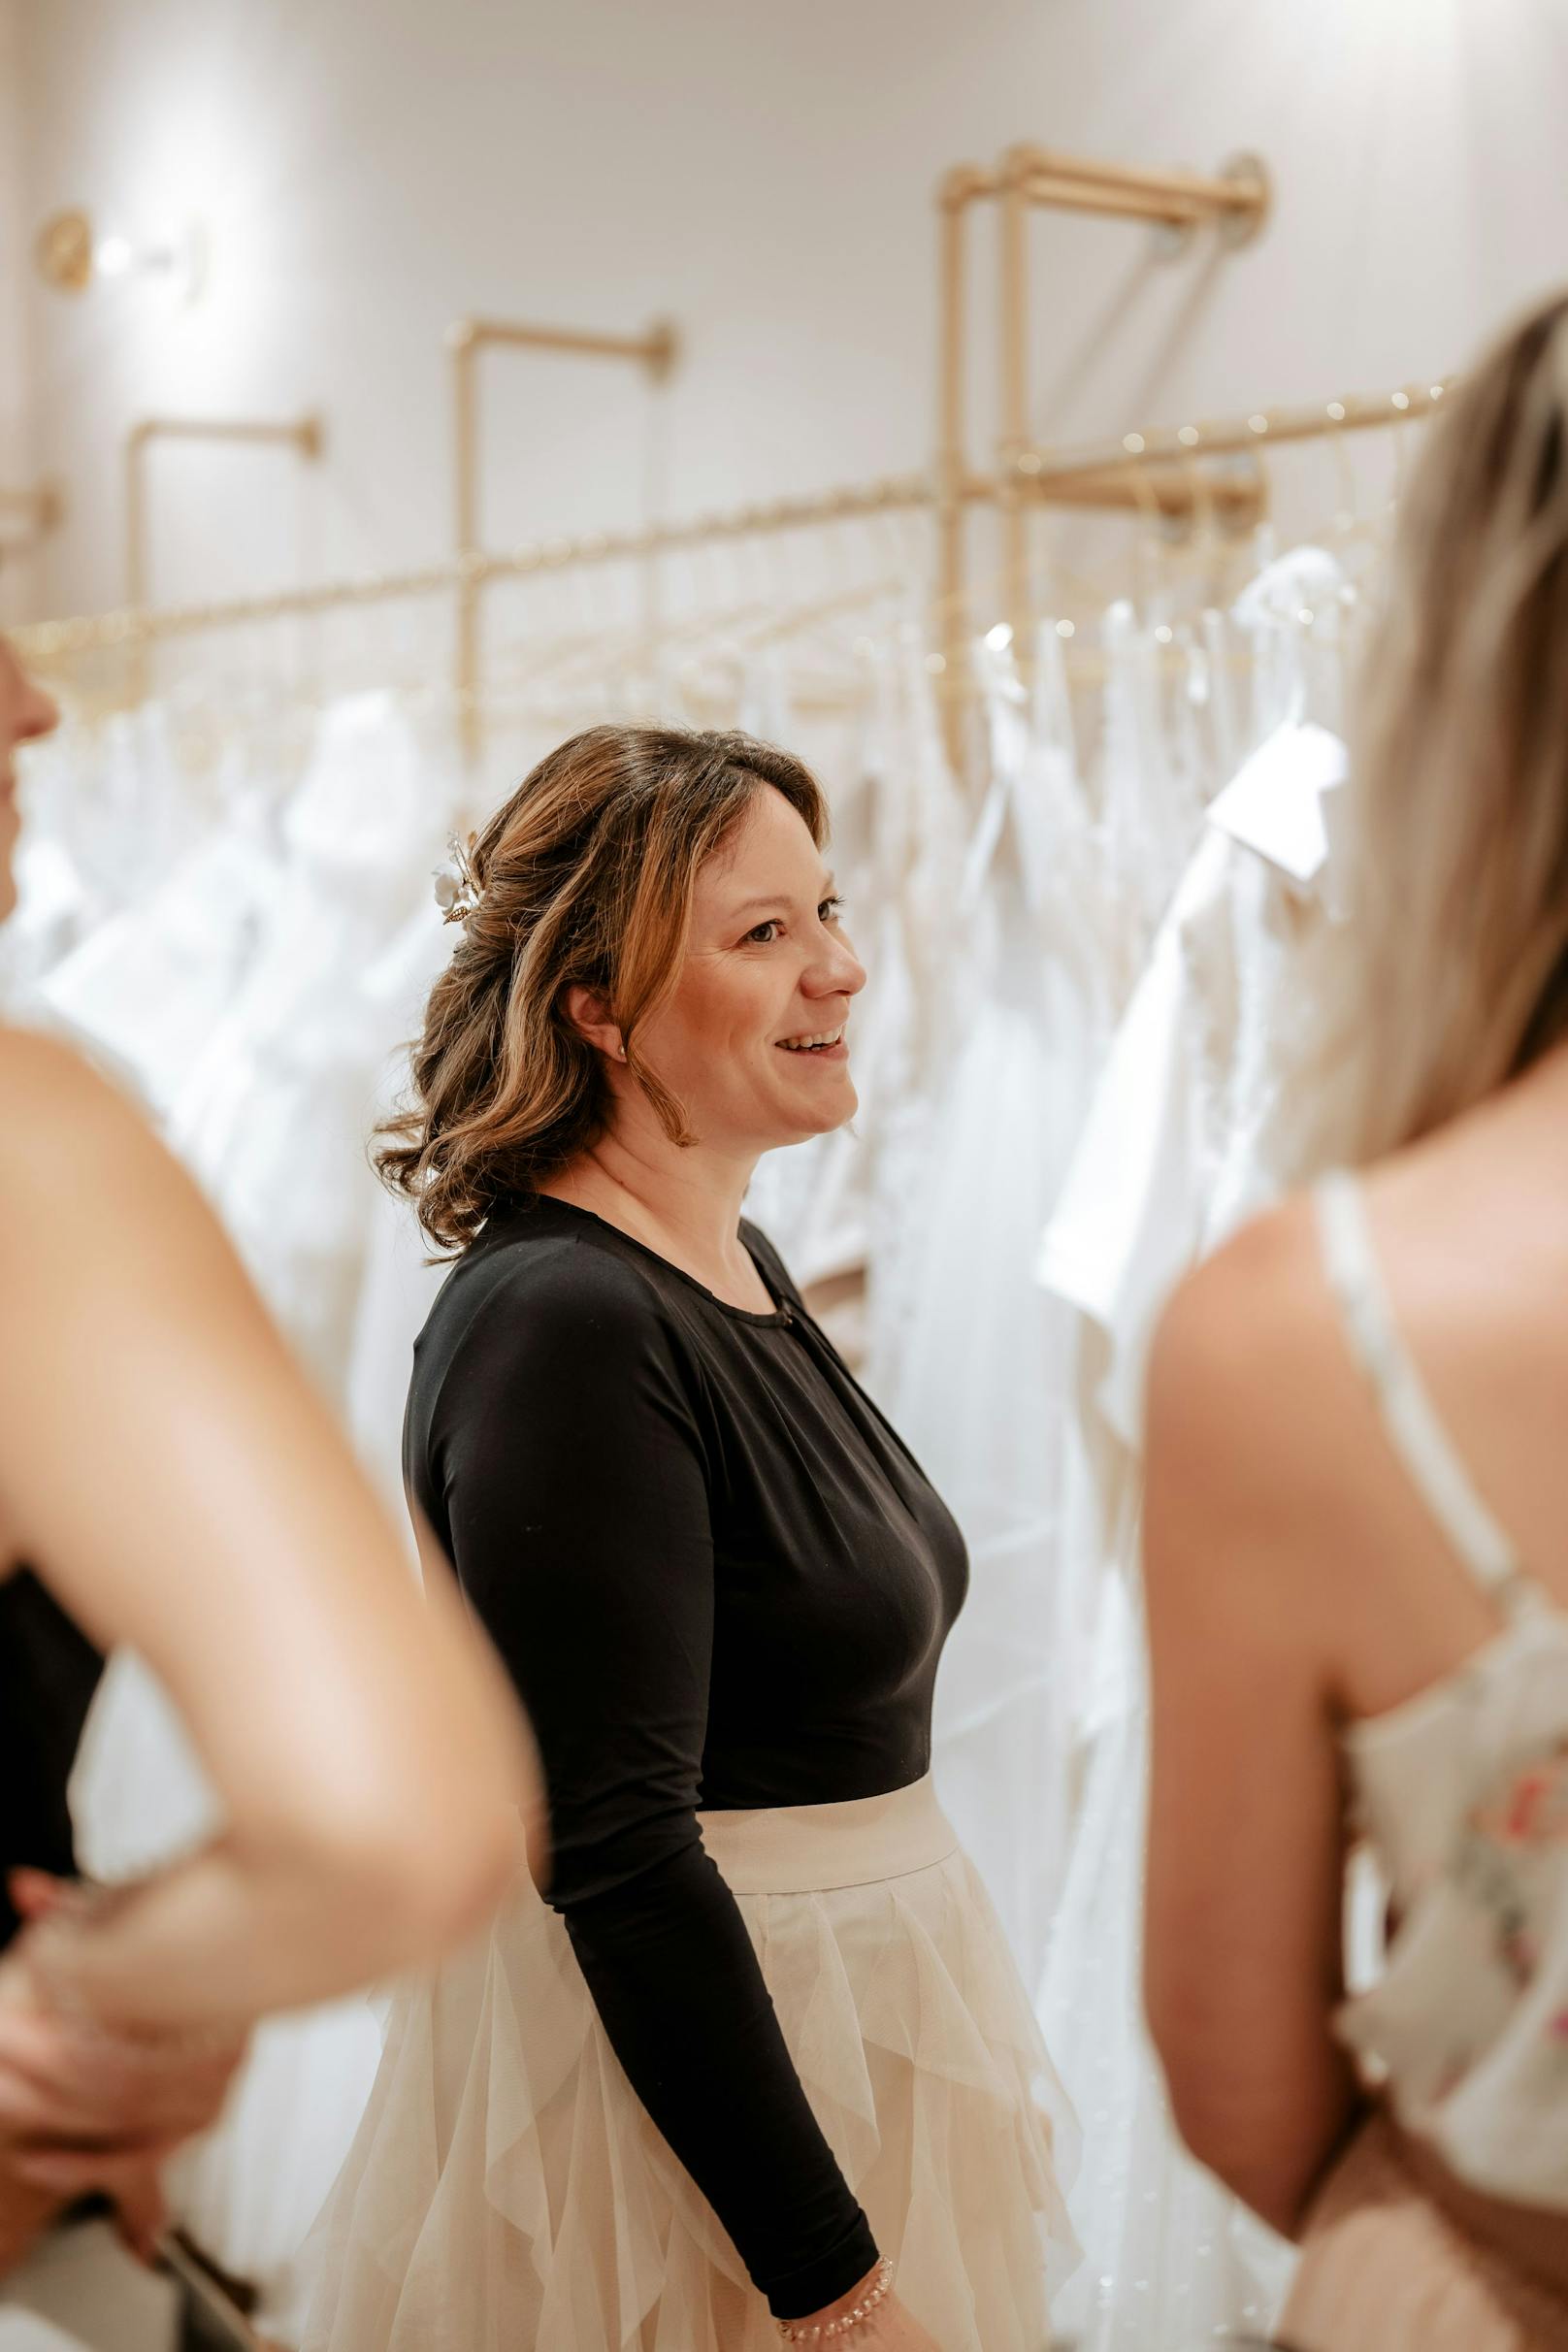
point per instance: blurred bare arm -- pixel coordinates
(166, 1468)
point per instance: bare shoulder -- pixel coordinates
(77, 1157)
(1254, 1417)
(1242, 1345)
(47, 1092)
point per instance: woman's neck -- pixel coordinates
(684, 1204)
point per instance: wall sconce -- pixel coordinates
(72, 255)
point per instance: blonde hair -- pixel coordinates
(583, 878)
(1452, 974)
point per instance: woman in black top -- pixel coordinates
(723, 1586)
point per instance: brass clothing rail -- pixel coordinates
(1091, 474)
(46, 642)
(1157, 468)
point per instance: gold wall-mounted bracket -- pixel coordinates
(306, 435)
(27, 517)
(1235, 203)
(655, 352)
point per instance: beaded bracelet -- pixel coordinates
(880, 2289)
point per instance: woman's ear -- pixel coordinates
(589, 1014)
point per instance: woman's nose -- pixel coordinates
(841, 973)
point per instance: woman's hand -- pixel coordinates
(65, 2083)
(82, 2113)
(890, 2328)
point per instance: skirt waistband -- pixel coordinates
(806, 1849)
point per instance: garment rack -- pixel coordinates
(50, 642)
(1164, 459)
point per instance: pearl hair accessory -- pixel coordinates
(825, 2331)
(457, 888)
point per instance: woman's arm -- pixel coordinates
(567, 1456)
(1246, 1845)
(167, 1470)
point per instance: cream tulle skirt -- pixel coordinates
(1383, 2270)
(509, 2193)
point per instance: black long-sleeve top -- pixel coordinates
(719, 1581)
(49, 1671)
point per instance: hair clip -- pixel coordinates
(457, 887)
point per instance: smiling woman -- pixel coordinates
(647, 914)
(765, 2047)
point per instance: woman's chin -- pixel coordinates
(837, 1107)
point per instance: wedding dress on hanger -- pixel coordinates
(1181, 1144)
(274, 1117)
(969, 1361)
(272, 1103)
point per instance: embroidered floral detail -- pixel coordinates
(1532, 1807)
(1502, 1836)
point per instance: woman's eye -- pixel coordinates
(831, 910)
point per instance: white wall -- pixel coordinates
(368, 169)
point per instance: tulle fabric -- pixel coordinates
(509, 2191)
(1383, 2270)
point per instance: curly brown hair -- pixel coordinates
(583, 878)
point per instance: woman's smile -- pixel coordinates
(821, 1045)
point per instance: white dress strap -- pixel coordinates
(1411, 1418)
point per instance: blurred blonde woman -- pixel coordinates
(169, 1477)
(1358, 1505)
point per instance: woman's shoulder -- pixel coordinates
(542, 1272)
(1250, 1300)
(551, 1322)
(1248, 1373)
(42, 1079)
(66, 1133)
